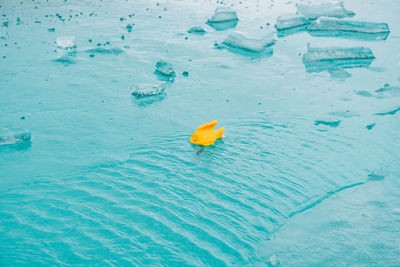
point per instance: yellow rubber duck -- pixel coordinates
(205, 135)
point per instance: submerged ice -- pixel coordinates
(314, 10)
(13, 135)
(165, 68)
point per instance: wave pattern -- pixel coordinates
(171, 203)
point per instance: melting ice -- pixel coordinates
(237, 40)
(13, 135)
(288, 21)
(314, 10)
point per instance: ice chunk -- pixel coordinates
(13, 136)
(223, 19)
(337, 53)
(223, 14)
(140, 92)
(327, 24)
(197, 30)
(334, 59)
(290, 21)
(349, 28)
(165, 68)
(66, 42)
(327, 9)
(237, 40)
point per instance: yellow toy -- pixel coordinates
(205, 135)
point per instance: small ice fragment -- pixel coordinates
(370, 126)
(237, 40)
(288, 21)
(12, 136)
(66, 42)
(328, 123)
(388, 88)
(165, 68)
(223, 14)
(327, 9)
(110, 51)
(364, 93)
(197, 30)
(375, 177)
(140, 92)
(392, 112)
(273, 261)
(337, 53)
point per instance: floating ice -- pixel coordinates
(328, 123)
(223, 19)
(197, 30)
(290, 21)
(327, 24)
(388, 88)
(237, 40)
(392, 112)
(337, 53)
(370, 126)
(327, 9)
(332, 59)
(223, 14)
(13, 136)
(375, 177)
(165, 68)
(349, 28)
(66, 42)
(101, 50)
(140, 92)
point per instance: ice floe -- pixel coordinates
(238, 41)
(14, 136)
(329, 27)
(332, 59)
(313, 10)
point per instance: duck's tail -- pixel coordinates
(219, 132)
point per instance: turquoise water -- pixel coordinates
(308, 173)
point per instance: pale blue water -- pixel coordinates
(109, 179)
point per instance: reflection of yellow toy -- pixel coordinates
(205, 135)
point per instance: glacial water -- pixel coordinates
(307, 174)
